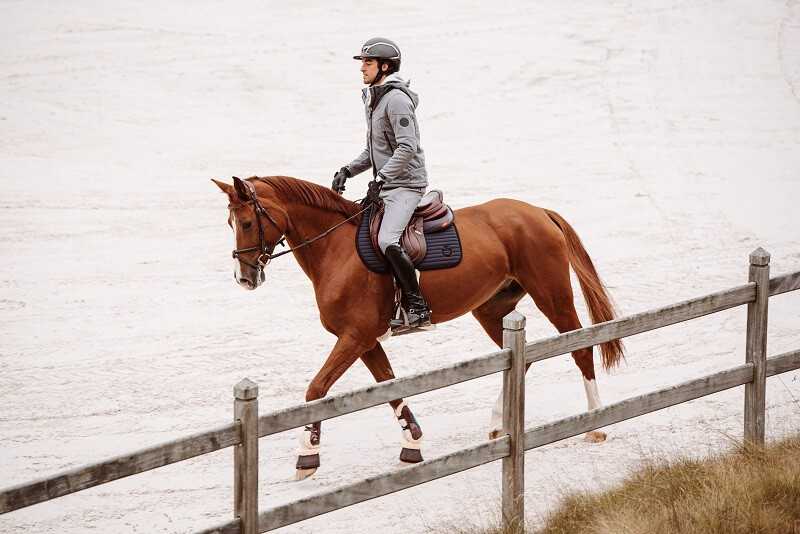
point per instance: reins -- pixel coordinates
(266, 253)
(320, 236)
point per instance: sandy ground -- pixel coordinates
(667, 133)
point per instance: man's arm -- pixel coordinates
(360, 164)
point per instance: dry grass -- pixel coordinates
(749, 490)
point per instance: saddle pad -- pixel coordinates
(444, 248)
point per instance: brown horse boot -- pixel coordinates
(417, 309)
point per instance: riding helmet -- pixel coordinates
(382, 49)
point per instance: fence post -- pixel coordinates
(514, 424)
(756, 349)
(245, 456)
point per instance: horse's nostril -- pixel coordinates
(245, 281)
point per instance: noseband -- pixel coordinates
(266, 254)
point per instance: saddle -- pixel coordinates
(431, 216)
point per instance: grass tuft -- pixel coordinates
(751, 489)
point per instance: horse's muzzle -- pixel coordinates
(253, 282)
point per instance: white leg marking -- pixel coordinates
(593, 399)
(497, 415)
(592, 396)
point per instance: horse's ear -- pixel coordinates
(241, 189)
(227, 189)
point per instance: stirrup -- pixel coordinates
(407, 322)
(399, 318)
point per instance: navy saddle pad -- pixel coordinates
(443, 248)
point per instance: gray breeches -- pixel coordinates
(399, 204)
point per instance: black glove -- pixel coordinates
(339, 179)
(374, 192)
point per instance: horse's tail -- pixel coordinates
(601, 307)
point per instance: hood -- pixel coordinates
(393, 81)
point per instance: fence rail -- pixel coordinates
(124, 465)
(396, 388)
(248, 427)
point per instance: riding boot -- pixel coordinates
(417, 309)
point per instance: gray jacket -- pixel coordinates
(393, 149)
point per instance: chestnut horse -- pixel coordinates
(510, 249)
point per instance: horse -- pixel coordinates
(511, 249)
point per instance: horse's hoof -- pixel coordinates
(302, 474)
(410, 456)
(494, 434)
(594, 436)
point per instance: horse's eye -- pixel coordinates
(246, 225)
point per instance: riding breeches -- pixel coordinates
(399, 205)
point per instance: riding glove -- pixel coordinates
(374, 192)
(339, 179)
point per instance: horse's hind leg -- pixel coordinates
(490, 315)
(378, 364)
(552, 293)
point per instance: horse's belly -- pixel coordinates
(484, 268)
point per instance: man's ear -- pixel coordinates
(241, 189)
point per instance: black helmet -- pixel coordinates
(382, 49)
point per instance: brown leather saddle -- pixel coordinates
(431, 216)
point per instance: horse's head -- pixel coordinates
(255, 231)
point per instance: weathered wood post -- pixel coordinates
(756, 349)
(514, 424)
(245, 456)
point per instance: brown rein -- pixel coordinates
(265, 252)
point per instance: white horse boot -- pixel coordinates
(308, 452)
(412, 435)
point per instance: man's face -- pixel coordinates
(369, 69)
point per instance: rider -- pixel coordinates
(397, 160)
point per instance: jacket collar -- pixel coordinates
(373, 94)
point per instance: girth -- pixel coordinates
(432, 215)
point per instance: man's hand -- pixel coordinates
(339, 179)
(374, 192)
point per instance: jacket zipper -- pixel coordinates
(386, 136)
(371, 156)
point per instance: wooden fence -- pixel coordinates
(248, 426)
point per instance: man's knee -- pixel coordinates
(385, 241)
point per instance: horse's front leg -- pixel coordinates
(378, 364)
(344, 353)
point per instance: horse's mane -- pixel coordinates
(292, 190)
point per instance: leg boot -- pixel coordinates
(418, 312)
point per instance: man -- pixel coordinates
(398, 164)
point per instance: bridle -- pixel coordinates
(266, 254)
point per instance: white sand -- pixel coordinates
(667, 133)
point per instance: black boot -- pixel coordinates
(417, 309)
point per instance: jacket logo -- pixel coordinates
(404, 122)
